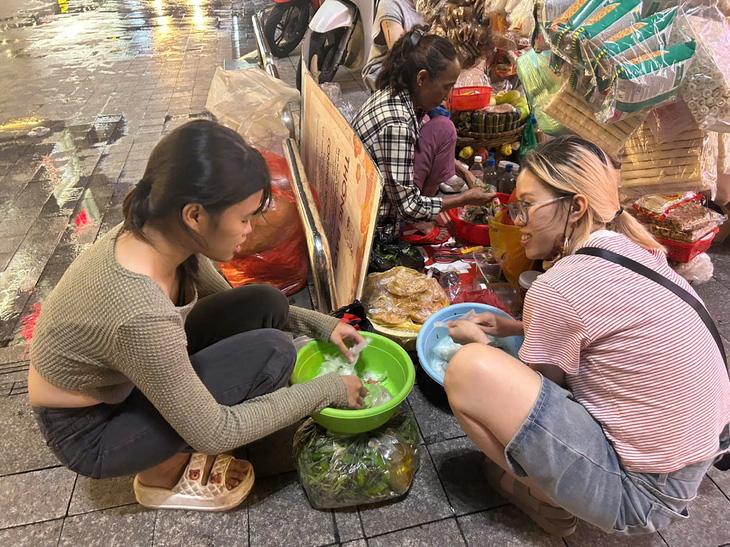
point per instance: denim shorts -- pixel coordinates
(564, 450)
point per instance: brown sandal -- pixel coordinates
(555, 521)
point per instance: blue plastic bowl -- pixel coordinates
(430, 335)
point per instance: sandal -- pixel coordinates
(554, 520)
(437, 236)
(190, 492)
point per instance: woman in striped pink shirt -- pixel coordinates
(625, 402)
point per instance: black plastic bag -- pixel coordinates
(390, 251)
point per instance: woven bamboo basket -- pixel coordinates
(490, 140)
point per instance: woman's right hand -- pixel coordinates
(497, 326)
(477, 196)
(356, 392)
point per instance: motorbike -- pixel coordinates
(287, 23)
(340, 33)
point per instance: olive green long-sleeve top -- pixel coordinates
(104, 330)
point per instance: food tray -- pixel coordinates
(404, 338)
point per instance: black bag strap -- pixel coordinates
(664, 282)
(722, 463)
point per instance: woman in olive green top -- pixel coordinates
(143, 354)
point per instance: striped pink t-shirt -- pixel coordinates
(636, 356)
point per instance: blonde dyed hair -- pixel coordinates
(571, 165)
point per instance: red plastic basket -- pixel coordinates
(684, 252)
(472, 233)
(469, 98)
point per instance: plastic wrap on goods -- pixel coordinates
(686, 163)
(250, 101)
(722, 197)
(706, 86)
(539, 82)
(576, 114)
(462, 23)
(340, 470)
(402, 298)
(685, 223)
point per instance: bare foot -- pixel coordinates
(168, 473)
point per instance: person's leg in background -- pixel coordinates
(433, 162)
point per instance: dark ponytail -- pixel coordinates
(413, 52)
(200, 162)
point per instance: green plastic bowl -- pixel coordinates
(382, 355)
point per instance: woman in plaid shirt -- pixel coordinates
(417, 75)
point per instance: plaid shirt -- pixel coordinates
(388, 128)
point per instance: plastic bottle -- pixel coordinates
(507, 181)
(490, 173)
(539, 135)
(477, 168)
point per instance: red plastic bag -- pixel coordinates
(276, 250)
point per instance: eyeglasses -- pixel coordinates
(519, 210)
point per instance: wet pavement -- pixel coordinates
(88, 88)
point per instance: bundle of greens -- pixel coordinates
(340, 470)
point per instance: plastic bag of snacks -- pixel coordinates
(581, 118)
(276, 250)
(706, 86)
(685, 223)
(686, 163)
(461, 22)
(340, 470)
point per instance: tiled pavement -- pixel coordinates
(87, 89)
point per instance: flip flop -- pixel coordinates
(190, 492)
(556, 521)
(437, 236)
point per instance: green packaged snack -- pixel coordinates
(338, 470)
(650, 34)
(650, 79)
(610, 20)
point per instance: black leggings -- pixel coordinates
(237, 349)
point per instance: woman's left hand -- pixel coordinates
(466, 332)
(346, 333)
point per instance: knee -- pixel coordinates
(269, 298)
(470, 367)
(283, 356)
(442, 128)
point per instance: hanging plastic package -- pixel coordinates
(539, 82)
(338, 470)
(275, 251)
(250, 101)
(722, 197)
(706, 87)
(651, 79)
(583, 119)
(640, 38)
(687, 163)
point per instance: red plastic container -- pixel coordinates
(473, 233)
(684, 252)
(469, 98)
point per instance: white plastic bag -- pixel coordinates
(334, 92)
(698, 270)
(250, 102)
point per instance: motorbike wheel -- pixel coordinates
(285, 27)
(323, 53)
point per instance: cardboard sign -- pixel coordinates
(348, 185)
